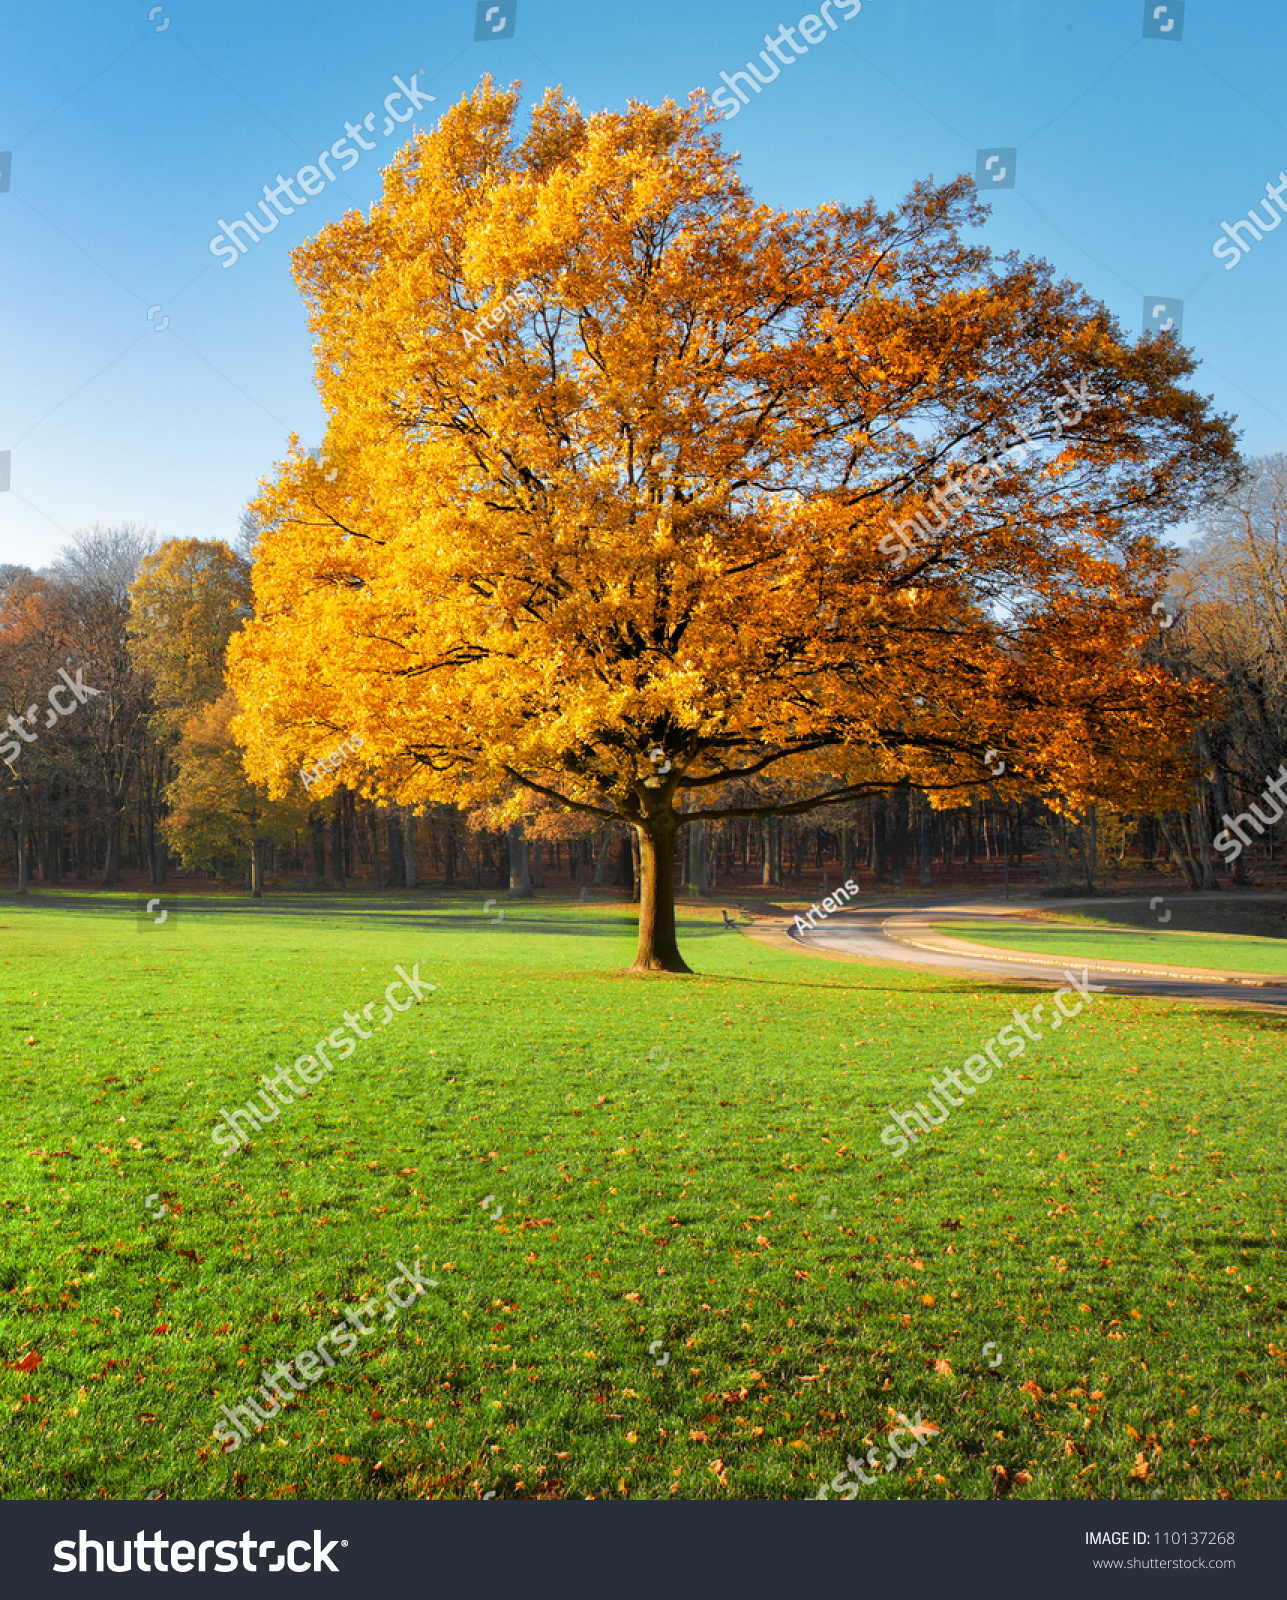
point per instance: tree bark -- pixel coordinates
(24, 869)
(927, 876)
(397, 851)
(1088, 829)
(900, 836)
(449, 849)
(112, 854)
(409, 847)
(373, 830)
(658, 948)
(318, 827)
(337, 839)
(1179, 856)
(520, 879)
(1205, 868)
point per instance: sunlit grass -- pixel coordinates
(699, 1271)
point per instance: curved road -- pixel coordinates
(898, 933)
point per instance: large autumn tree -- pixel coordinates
(611, 454)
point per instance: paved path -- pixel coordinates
(898, 933)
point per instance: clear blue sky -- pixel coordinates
(130, 143)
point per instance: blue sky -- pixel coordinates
(131, 135)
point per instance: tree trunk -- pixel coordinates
(520, 879)
(337, 839)
(538, 866)
(1215, 776)
(1200, 834)
(159, 862)
(397, 852)
(112, 854)
(927, 877)
(256, 868)
(319, 852)
(373, 829)
(1179, 856)
(449, 849)
(900, 837)
(409, 847)
(1089, 828)
(24, 869)
(658, 948)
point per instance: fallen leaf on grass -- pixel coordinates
(29, 1363)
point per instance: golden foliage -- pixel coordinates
(616, 449)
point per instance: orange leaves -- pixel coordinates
(29, 1363)
(640, 506)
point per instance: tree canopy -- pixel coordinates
(631, 547)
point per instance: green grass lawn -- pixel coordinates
(1090, 941)
(698, 1273)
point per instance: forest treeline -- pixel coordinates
(119, 753)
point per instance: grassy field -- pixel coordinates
(671, 1255)
(1086, 940)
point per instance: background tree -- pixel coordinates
(190, 597)
(90, 591)
(1230, 596)
(623, 543)
(216, 812)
